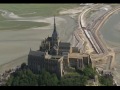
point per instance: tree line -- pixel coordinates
(25, 77)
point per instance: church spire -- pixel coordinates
(54, 34)
(54, 24)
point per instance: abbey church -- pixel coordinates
(56, 56)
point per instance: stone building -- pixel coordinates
(55, 56)
(37, 61)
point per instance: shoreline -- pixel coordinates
(110, 51)
(96, 33)
(103, 41)
(23, 44)
(13, 64)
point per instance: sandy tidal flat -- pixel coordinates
(17, 43)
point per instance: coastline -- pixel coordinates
(97, 33)
(110, 51)
(105, 43)
(25, 39)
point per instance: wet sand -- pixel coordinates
(111, 34)
(17, 43)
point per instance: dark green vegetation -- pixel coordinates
(47, 79)
(73, 81)
(22, 77)
(106, 81)
(25, 77)
(89, 72)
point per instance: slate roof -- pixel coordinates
(49, 39)
(36, 53)
(64, 44)
(64, 50)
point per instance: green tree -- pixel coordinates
(89, 72)
(15, 81)
(66, 82)
(23, 77)
(76, 81)
(23, 66)
(83, 80)
(10, 80)
(47, 79)
(40, 80)
(106, 81)
(53, 81)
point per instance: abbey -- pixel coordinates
(56, 56)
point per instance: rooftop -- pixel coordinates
(77, 55)
(36, 53)
(64, 44)
(49, 39)
(75, 49)
(56, 57)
